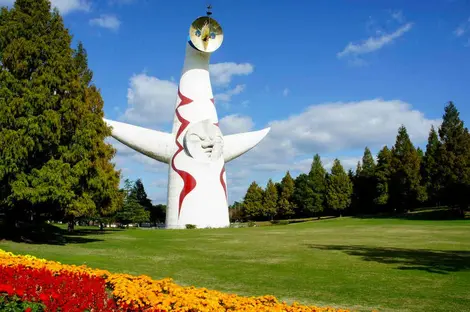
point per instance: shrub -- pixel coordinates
(191, 226)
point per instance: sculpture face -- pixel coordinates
(204, 141)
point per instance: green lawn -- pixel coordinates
(362, 264)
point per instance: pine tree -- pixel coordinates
(303, 196)
(368, 163)
(132, 211)
(430, 167)
(53, 159)
(253, 201)
(382, 176)
(317, 177)
(286, 202)
(339, 188)
(141, 195)
(366, 183)
(270, 200)
(405, 183)
(138, 191)
(454, 159)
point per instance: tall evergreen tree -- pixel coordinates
(270, 200)
(138, 191)
(368, 163)
(339, 188)
(366, 183)
(141, 195)
(317, 177)
(253, 201)
(454, 159)
(286, 202)
(430, 167)
(382, 176)
(131, 211)
(53, 159)
(304, 197)
(405, 183)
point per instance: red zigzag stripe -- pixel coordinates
(189, 183)
(222, 181)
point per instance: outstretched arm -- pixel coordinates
(155, 144)
(240, 143)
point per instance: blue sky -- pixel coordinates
(329, 77)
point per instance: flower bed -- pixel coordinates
(80, 288)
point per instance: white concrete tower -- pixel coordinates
(196, 150)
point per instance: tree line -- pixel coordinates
(136, 208)
(402, 177)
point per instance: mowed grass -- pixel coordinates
(361, 264)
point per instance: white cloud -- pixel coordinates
(67, 6)
(106, 21)
(374, 43)
(222, 73)
(64, 6)
(286, 92)
(150, 100)
(227, 95)
(459, 31)
(398, 16)
(463, 28)
(235, 124)
(332, 127)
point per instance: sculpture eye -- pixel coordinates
(212, 35)
(198, 33)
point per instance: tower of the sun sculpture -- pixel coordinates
(196, 150)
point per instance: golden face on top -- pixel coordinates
(206, 34)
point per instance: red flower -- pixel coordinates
(6, 289)
(28, 310)
(67, 291)
(43, 297)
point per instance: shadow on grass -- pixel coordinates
(432, 261)
(49, 234)
(431, 214)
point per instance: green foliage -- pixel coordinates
(253, 201)
(191, 226)
(339, 188)
(14, 304)
(270, 200)
(286, 203)
(236, 211)
(430, 167)
(139, 192)
(53, 158)
(317, 180)
(303, 196)
(157, 213)
(454, 159)
(382, 175)
(368, 164)
(132, 210)
(365, 182)
(405, 183)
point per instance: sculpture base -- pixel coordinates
(198, 226)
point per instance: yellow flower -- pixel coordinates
(147, 294)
